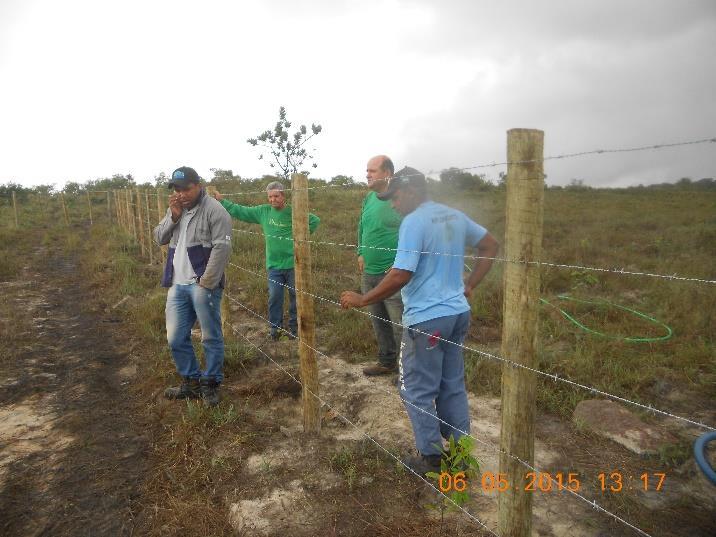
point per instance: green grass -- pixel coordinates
(652, 231)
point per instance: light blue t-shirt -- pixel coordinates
(436, 288)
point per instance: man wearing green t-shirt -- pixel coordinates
(377, 243)
(275, 218)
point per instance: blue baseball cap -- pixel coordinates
(183, 177)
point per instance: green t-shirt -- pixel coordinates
(277, 228)
(378, 227)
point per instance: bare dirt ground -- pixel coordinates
(72, 457)
(89, 447)
(685, 505)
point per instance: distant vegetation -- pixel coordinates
(452, 177)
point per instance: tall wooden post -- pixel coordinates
(306, 320)
(127, 222)
(64, 209)
(125, 211)
(109, 208)
(161, 210)
(132, 213)
(523, 233)
(14, 208)
(120, 207)
(89, 204)
(140, 224)
(148, 234)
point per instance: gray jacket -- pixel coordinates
(208, 241)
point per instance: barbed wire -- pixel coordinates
(496, 164)
(552, 376)
(594, 152)
(592, 503)
(507, 163)
(348, 421)
(499, 259)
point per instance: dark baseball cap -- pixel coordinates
(183, 177)
(405, 177)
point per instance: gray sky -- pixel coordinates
(92, 88)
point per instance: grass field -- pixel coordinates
(641, 231)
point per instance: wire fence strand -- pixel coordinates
(498, 259)
(505, 361)
(591, 503)
(349, 422)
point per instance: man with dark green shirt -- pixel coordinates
(377, 243)
(275, 218)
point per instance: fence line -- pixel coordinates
(507, 163)
(506, 361)
(348, 421)
(499, 259)
(594, 152)
(592, 503)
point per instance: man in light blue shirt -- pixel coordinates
(428, 268)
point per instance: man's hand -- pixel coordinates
(361, 264)
(350, 299)
(175, 207)
(468, 291)
(211, 190)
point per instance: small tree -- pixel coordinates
(287, 149)
(161, 180)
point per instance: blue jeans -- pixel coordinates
(186, 304)
(275, 300)
(432, 377)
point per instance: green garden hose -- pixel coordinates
(589, 330)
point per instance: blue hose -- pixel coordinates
(700, 455)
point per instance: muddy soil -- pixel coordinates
(72, 456)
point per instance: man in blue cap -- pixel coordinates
(198, 231)
(428, 268)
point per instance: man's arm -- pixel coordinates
(163, 232)
(395, 280)
(220, 227)
(252, 215)
(359, 248)
(487, 249)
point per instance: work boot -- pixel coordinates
(422, 464)
(210, 391)
(189, 389)
(379, 369)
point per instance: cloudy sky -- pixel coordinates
(90, 88)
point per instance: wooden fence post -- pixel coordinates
(140, 221)
(127, 221)
(131, 221)
(149, 228)
(523, 238)
(306, 321)
(64, 209)
(161, 210)
(89, 204)
(125, 211)
(109, 208)
(120, 207)
(14, 208)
